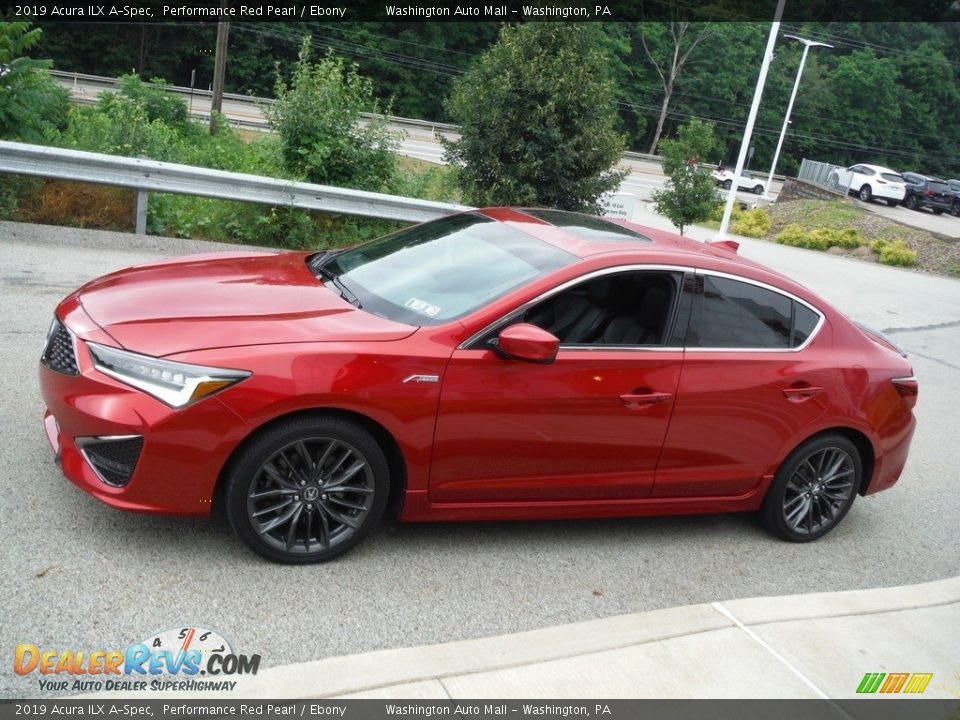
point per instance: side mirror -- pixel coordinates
(526, 342)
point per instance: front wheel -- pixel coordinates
(911, 202)
(307, 490)
(813, 489)
(866, 193)
(726, 185)
(757, 189)
(955, 209)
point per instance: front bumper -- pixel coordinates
(183, 451)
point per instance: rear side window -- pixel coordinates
(891, 177)
(733, 314)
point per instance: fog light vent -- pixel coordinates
(112, 458)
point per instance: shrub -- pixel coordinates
(895, 253)
(316, 117)
(157, 103)
(32, 104)
(819, 238)
(751, 223)
(78, 204)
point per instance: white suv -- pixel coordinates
(870, 181)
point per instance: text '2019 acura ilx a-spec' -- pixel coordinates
(492, 365)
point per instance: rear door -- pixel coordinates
(757, 371)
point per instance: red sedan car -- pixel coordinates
(492, 365)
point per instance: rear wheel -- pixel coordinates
(307, 490)
(813, 489)
(955, 209)
(757, 189)
(866, 192)
(726, 185)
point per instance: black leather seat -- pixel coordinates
(643, 328)
(576, 316)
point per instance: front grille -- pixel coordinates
(58, 354)
(114, 459)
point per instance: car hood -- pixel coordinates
(223, 300)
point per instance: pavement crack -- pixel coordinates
(916, 328)
(936, 360)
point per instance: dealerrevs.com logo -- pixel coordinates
(185, 658)
(893, 683)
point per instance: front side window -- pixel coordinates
(626, 308)
(730, 313)
(442, 270)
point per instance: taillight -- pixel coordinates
(908, 389)
(928, 193)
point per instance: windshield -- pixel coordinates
(442, 270)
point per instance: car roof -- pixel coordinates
(880, 168)
(589, 235)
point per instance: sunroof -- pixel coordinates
(587, 227)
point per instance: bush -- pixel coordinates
(896, 252)
(316, 117)
(157, 103)
(32, 104)
(751, 223)
(819, 238)
(79, 204)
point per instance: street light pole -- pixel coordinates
(807, 44)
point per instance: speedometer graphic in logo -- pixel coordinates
(181, 640)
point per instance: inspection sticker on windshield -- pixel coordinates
(422, 307)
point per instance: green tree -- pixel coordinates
(31, 102)
(689, 196)
(317, 118)
(537, 119)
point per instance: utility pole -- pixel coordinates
(219, 70)
(748, 130)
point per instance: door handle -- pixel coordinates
(637, 400)
(798, 392)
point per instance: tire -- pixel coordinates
(278, 492)
(893, 203)
(757, 189)
(797, 506)
(866, 192)
(911, 202)
(955, 209)
(726, 184)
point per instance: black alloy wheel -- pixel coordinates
(813, 489)
(307, 490)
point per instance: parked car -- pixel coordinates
(868, 182)
(955, 189)
(499, 364)
(747, 180)
(924, 191)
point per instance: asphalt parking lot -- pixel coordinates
(78, 575)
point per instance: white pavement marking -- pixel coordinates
(766, 646)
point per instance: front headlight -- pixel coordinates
(174, 383)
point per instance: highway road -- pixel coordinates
(419, 138)
(79, 575)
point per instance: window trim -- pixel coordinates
(619, 269)
(821, 318)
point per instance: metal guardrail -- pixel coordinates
(147, 176)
